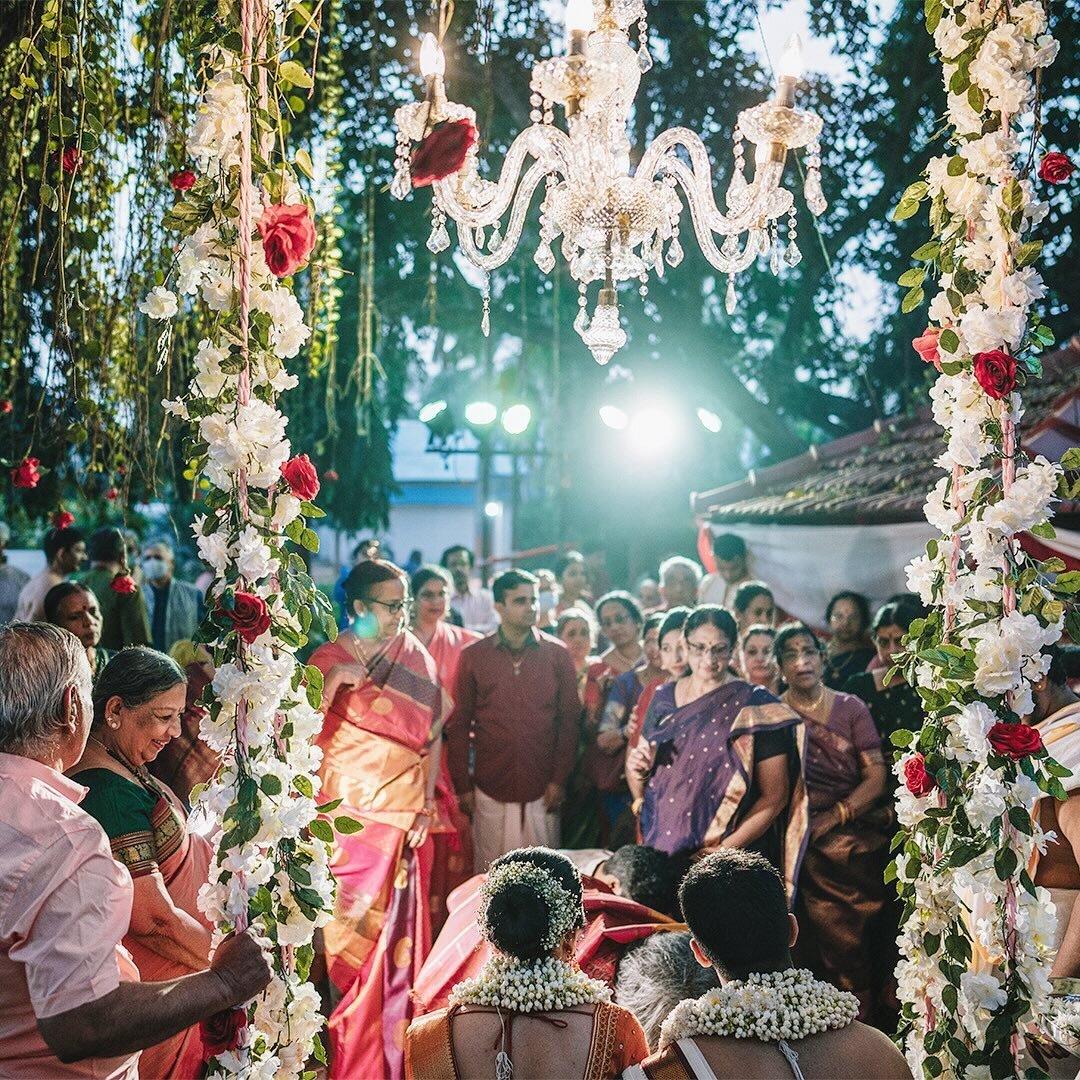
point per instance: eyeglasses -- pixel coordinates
(395, 607)
(715, 651)
(615, 620)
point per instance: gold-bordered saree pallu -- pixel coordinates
(702, 785)
(376, 742)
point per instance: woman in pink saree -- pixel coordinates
(381, 744)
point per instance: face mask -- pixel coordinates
(547, 602)
(155, 569)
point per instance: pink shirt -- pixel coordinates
(65, 903)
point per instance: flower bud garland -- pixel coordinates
(271, 870)
(970, 780)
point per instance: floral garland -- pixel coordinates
(769, 1006)
(975, 942)
(245, 226)
(564, 915)
(544, 985)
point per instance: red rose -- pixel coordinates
(300, 475)
(182, 180)
(71, 160)
(123, 584)
(5, 405)
(25, 474)
(927, 346)
(1056, 168)
(996, 372)
(442, 152)
(288, 235)
(1014, 740)
(916, 779)
(112, 494)
(63, 519)
(249, 615)
(221, 1032)
(330, 475)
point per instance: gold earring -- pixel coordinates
(114, 723)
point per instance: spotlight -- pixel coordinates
(613, 417)
(709, 420)
(516, 419)
(429, 411)
(481, 413)
(492, 509)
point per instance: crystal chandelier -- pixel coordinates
(613, 223)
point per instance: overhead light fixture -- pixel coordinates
(709, 420)
(614, 417)
(429, 411)
(481, 413)
(516, 419)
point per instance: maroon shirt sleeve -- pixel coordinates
(457, 726)
(567, 714)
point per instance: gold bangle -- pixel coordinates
(844, 811)
(636, 805)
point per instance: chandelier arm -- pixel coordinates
(660, 158)
(699, 216)
(549, 145)
(529, 183)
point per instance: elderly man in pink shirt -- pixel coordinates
(70, 1000)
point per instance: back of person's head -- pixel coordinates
(57, 540)
(712, 615)
(444, 559)
(38, 664)
(728, 546)
(735, 905)
(428, 573)
(900, 613)
(674, 619)
(509, 580)
(368, 573)
(1057, 674)
(655, 975)
(531, 901)
(748, 592)
(107, 546)
(135, 675)
(646, 876)
(58, 594)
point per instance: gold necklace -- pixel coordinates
(140, 772)
(812, 707)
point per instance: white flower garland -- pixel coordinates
(768, 1006)
(272, 866)
(967, 808)
(564, 915)
(524, 986)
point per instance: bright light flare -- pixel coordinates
(481, 413)
(492, 509)
(709, 420)
(431, 410)
(432, 59)
(791, 62)
(614, 417)
(516, 419)
(579, 15)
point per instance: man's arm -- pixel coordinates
(458, 724)
(1067, 962)
(137, 1015)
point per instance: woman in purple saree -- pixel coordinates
(724, 758)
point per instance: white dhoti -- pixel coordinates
(499, 827)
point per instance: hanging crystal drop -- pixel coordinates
(730, 247)
(731, 298)
(815, 197)
(480, 237)
(401, 185)
(581, 323)
(495, 239)
(439, 240)
(793, 256)
(774, 258)
(644, 59)
(544, 257)
(674, 252)
(485, 319)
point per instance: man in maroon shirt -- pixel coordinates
(513, 732)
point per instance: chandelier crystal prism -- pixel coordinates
(613, 223)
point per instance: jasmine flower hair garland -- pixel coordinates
(564, 914)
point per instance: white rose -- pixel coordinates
(253, 558)
(213, 549)
(209, 378)
(159, 303)
(1030, 18)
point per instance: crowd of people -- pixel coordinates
(638, 798)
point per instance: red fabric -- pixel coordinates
(442, 152)
(704, 549)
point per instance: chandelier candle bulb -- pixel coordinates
(789, 71)
(579, 21)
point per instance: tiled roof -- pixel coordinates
(881, 475)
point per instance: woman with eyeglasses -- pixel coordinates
(723, 758)
(621, 623)
(382, 749)
(892, 701)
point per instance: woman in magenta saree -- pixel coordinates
(727, 759)
(381, 744)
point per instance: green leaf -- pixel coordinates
(976, 98)
(934, 10)
(1021, 819)
(302, 784)
(949, 341)
(48, 196)
(313, 676)
(957, 165)
(902, 737)
(1046, 531)
(321, 830)
(327, 807)
(347, 825)
(1069, 582)
(1071, 458)
(928, 251)
(270, 784)
(1029, 252)
(1005, 863)
(303, 163)
(292, 72)
(309, 539)
(1013, 195)
(915, 276)
(907, 208)
(913, 299)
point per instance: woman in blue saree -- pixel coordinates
(723, 757)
